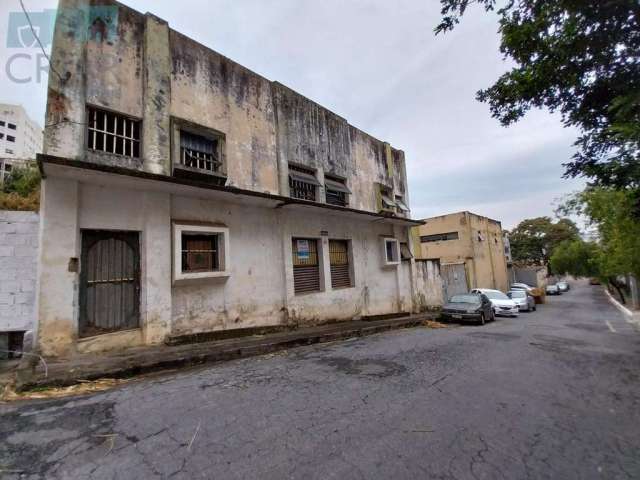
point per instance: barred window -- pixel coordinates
(302, 183)
(306, 267)
(11, 126)
(439, 237)
(197, 151)
(113, 133)
(336, 191)
(200, 253)
(339, 264)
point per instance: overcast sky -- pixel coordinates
(379, 65)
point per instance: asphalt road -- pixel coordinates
(551, 394)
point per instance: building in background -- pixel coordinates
(470, 248)
(20, 136)
(184, 194)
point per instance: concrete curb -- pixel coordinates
(630, 316)
(164, 357)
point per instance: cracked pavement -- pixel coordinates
(551, 394)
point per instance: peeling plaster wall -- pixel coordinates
(489, 259)
(310, 135)
(148, 71)
(213, 91)
(429, 292)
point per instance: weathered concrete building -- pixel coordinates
(470, 248)
(184, 193)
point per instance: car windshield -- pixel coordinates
(495, 295)
(518, 294)
(465, 299)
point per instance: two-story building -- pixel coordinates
(184, 193)
(470, 248)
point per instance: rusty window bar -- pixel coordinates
(112, 133)
(199, 152)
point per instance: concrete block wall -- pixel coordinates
(18, 264)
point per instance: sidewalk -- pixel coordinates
(134, 361)
(632, 316)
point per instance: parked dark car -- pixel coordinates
(553, 289)
(563, 286)
(468, 307)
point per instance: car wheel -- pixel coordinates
(535, 308)
(482, 319)
(493, 316)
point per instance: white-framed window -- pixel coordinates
(390, 251)
(200, 251)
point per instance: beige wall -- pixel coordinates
(480, 246)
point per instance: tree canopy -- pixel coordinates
(533, 240)
(578, 57)
(611, 212)
(577, 258)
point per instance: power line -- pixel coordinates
(33, 31)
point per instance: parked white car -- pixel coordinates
(502, 305)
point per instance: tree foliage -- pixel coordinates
(577, 258)
(21, 189)
(533, 239)
(578, 57)
(613, 213)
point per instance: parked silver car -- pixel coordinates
(553, 289)
(524, 301)
(563, 286)
(522, 286)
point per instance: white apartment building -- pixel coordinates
(20, 137)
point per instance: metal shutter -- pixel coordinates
(306, 269)
(340, 271)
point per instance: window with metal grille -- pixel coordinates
(336, 191)
(386, 199)
(339, 263)
(197, 151)
(10, 138)
(302, 183)
(200, 253)
(113, 133)
(439, 237)
(306, 267)
(11, 126)
(401, 206)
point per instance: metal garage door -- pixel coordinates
(454, 279)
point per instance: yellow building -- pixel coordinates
(470, 248)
